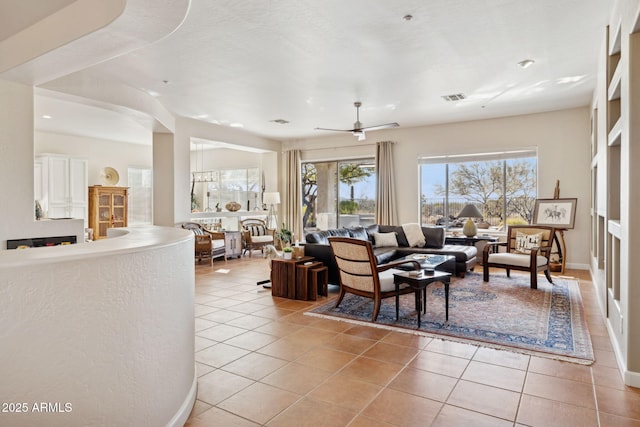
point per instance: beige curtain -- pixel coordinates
(386, 210)
(292, 208)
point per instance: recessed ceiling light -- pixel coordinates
(526, 63)
(46, 116)
(236, 125)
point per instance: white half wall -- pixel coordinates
(103, 330)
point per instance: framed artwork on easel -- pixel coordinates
(559, 213)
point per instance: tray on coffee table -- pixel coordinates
(429, 262)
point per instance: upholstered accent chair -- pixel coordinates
(255, 234)
(208, 245)
(528, 248)
(360, 274)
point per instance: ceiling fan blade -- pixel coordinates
(384, 126)
(335, 130)
(358, 129)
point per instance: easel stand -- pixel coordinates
(562, 249)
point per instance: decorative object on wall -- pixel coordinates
(470, 211)
(109, 176)
(559, 213)
(233, 206)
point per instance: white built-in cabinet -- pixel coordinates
(61, 186)
(615, 178)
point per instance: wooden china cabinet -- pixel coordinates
(107, 209)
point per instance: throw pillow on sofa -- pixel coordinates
(385, 239)
(414, 234)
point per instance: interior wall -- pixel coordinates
(224, 158)
(16, 155)
(561, 137)
(17, 173)
(98, 152)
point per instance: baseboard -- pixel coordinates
(180, 417)
(632, 378)
(577, 266)
(629, 378)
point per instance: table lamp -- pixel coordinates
(470, 211)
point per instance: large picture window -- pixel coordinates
(140, 182)
(338, 194)
(219, 187)
(501, 185)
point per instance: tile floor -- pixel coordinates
(261, 361)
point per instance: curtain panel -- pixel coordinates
(386, 207)
(292, 214)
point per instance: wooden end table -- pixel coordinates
(298, 278)
(419, 284)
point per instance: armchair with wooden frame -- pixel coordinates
(208, 245)
(528, 248)
(360, 274)
(255, 234)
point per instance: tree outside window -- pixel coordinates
(504, 190)
(338, 193)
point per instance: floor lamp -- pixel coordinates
(272, 199)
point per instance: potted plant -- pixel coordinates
(287, 252)
(284, 235)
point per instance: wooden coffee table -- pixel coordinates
(419, 283)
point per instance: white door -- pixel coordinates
(78, 190)
(58, 187)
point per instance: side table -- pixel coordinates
(419, 284)
(468, 241)
(311, 280)
(299, 278)
(233, 244)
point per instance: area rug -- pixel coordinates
(504, 313)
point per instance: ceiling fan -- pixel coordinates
(358, 130)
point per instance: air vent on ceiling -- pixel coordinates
(454, 97)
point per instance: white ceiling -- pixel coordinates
(247, 62)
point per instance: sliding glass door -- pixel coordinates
(338, 194)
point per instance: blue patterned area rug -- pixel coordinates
(504, 313)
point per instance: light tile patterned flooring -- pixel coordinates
(261, 361)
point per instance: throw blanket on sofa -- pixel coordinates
(414, 234)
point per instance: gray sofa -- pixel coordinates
(317, 246)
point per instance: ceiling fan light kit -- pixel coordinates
(359, 130)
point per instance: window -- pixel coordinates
(501, 185)
(140, 196)
(338, 194)
(227, 185)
